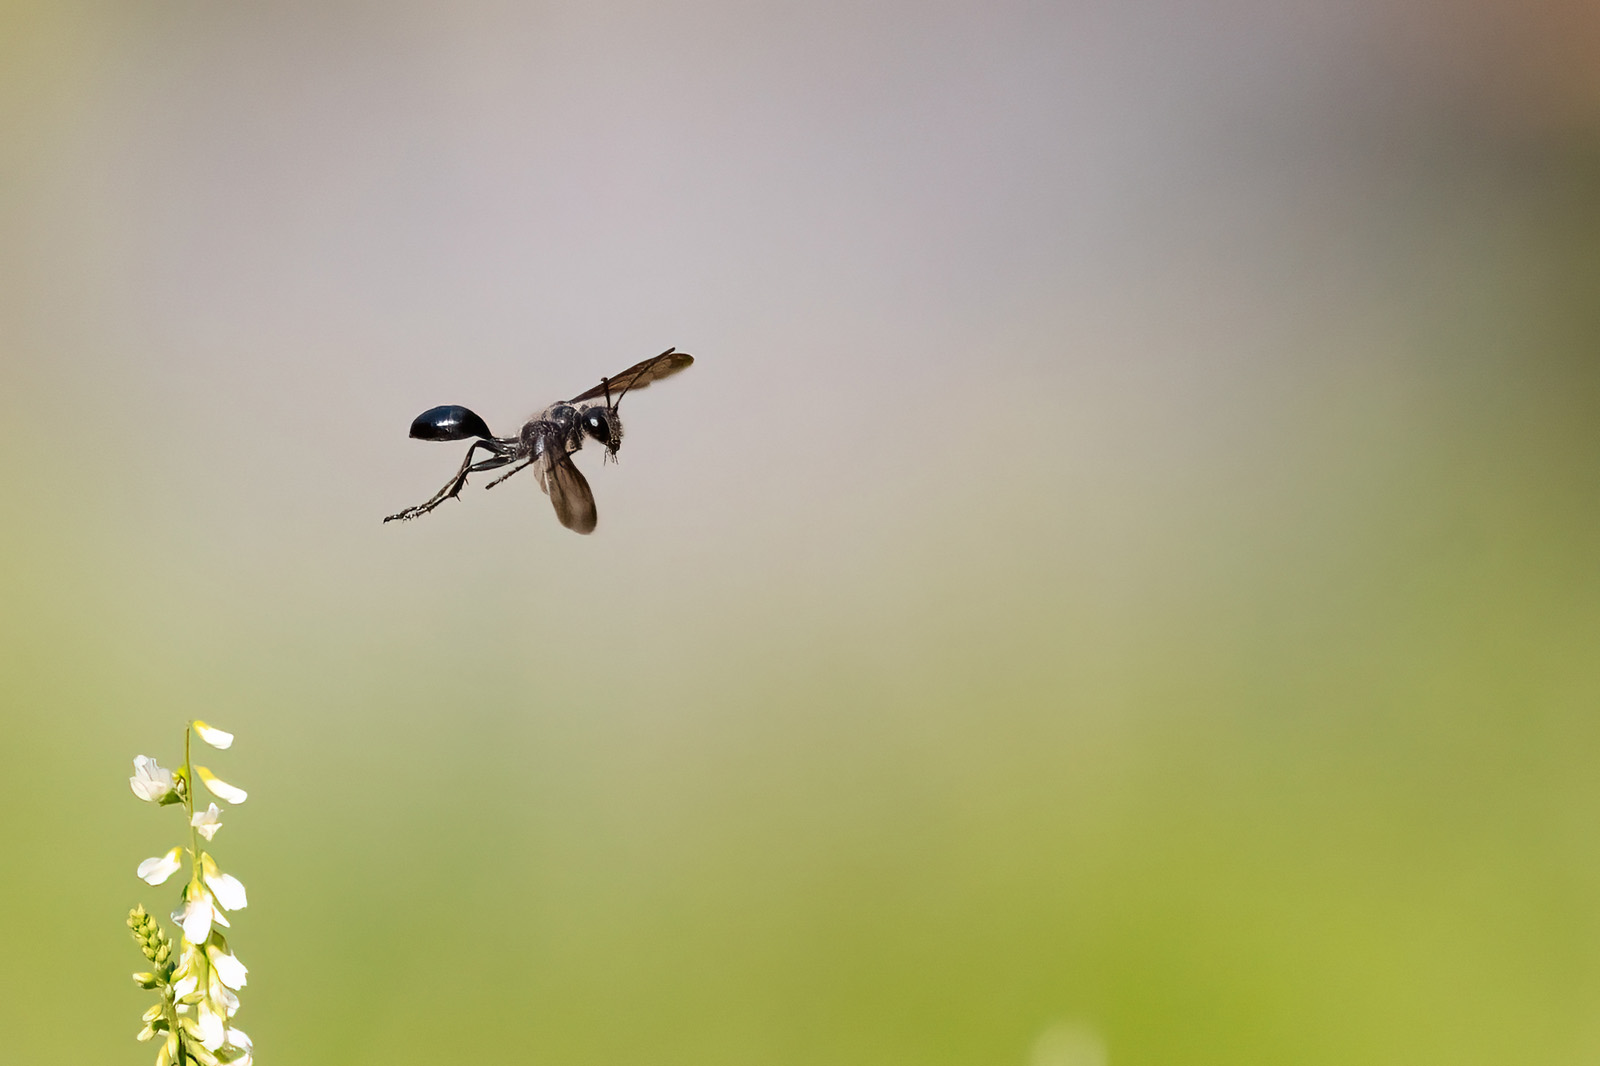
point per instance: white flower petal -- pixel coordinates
(185, 986)
(221, 997)
(197, 915)
(155, 871)
(229, 891)
(217, 738)
(208, 821)
(150, 781)
(226, 890)
(238, 1039)
(220, 788)
(193, 958)
(228, 969)
(212, 1028)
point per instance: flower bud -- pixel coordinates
(146, 980)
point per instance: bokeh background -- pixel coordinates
(1119, 586)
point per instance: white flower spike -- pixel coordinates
(156, 871)
(150, 781)
(220, 788)
(217, 738)
(195, 975)
(208, 821)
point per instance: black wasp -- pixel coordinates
(546, 442)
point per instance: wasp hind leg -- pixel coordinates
(453, 487)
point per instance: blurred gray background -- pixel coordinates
(1118, 585)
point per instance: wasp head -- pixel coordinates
(604, 425)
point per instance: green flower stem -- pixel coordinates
(171, 1013)
(203, 962)
(188, 803)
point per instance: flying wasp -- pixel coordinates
(546, 441)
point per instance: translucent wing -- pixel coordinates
(567, 488)
(639, 375)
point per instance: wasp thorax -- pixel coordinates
(563, 415)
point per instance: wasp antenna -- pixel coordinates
(636, 377)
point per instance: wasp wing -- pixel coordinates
(567, 488)
(639, 375)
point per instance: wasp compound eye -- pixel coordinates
(604, 425)
(450, 422)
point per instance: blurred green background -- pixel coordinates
(1119, 586)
